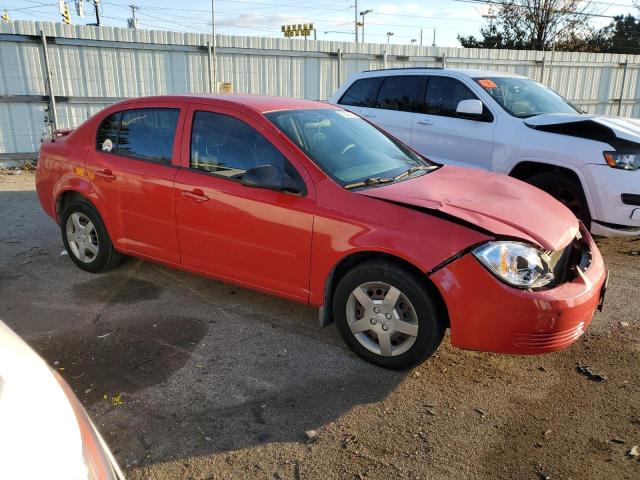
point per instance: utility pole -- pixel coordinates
(434, 38)
(133, 21)
(355, 24)
(362, 14)
(96, 5)
(420, 37)
(214, 69)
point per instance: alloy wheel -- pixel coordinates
(82, 237)
(382, 319)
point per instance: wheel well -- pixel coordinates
(350, 261)
(525, 170)
(64, 198)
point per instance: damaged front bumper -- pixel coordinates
(486, 314)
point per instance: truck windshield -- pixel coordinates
(523, 97)
(348, 149)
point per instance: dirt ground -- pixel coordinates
(188, 378)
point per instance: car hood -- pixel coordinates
(39, 433)
(606, 129)
(488, 201)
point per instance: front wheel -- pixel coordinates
(387, 316)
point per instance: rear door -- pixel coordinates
(255, 236)
(133, 167)
(388, 101)
(441, 135)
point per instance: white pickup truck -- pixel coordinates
(510, 124)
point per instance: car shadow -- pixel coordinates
(205, 367)
(172, 365)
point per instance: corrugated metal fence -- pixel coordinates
(91, 67)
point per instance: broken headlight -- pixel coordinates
(516, 263)
(623, 161)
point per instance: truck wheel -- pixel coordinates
(566, 190)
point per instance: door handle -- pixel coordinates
(196, 194)
(106, 174)
(369, 115)
(425, 122)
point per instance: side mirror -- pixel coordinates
(472, 108)
(271, 178)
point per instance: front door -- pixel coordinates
(254, 236)
(442, 136)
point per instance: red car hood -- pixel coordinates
(494, 202)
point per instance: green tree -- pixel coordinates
(621, 36)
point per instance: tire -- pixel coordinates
(412, 340)
(88, 245)
(566, 190)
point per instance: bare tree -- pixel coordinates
(534, 24)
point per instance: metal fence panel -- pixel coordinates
(92, 67)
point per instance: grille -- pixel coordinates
(549, 339)
(566, 262)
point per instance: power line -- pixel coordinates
(249, 2)
(523, 7)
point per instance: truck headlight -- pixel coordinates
(516, 263)
(623, 161)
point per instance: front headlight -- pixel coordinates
(517, 264)
(623, 161)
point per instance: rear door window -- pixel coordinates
(402, 93)
(145, 133)
(362, 93)
(148, 133)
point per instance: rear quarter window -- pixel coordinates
(107, 137)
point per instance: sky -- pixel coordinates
(333, 19)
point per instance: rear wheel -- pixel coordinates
(387, 316)
(566, 190)
(86, 239)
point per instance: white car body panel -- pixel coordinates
(40, 433)
(508, 141)
(39, 436)
(398, 124)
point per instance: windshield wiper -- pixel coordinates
(413, 170)
(369, 181)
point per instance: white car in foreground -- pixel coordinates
(45, 432)
(514, 125)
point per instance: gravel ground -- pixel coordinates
(188, 378)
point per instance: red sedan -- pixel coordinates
(312, 203)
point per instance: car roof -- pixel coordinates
(467, 72)
(260, 103)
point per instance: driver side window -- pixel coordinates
(443, 95)
(225, 146)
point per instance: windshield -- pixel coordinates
(523, 97)
(348, 149)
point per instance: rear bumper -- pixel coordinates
(488, 315)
